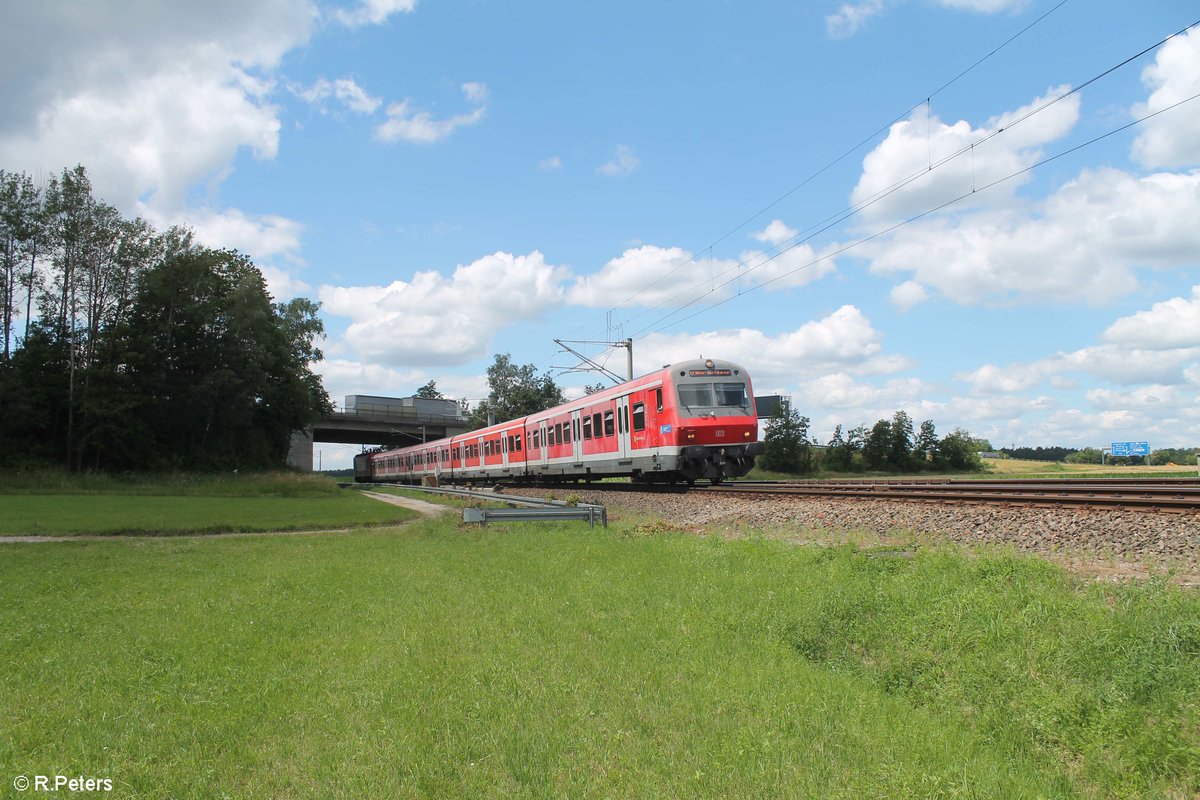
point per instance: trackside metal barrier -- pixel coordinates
(543, 514)
(539, 508)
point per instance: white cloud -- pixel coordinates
(776, 233)
(372, 12)
(897, 179)
(985, 6)
(167, 93)
(843, 341)
(475, 92)
(990, 379)
(262, 237)
(550, 164)
(1172, 139)
(417, 125)
(344, 90)
(908, 294)
(850, 18)
(795, 266)
(1126, 366)
(649, 276)
(1083, 243)
(623, 162)
(1168, 325)
(437, 320)
(344, 377)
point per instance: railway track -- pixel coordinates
(1179, 495)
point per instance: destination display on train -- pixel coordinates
(697, 373)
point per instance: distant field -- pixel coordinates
(1017, 468)
(59, 504)
(550, 661)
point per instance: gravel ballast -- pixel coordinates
(1107, 542)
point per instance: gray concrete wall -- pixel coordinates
(300, 454)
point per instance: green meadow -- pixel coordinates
(54, 503)
(526, 660)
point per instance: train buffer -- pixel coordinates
(582, 512)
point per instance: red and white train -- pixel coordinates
(685, 422)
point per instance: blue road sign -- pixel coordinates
(1131, 448)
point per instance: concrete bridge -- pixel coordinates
(384, 421)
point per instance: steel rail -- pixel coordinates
(1153, 496)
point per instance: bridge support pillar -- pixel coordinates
(300, 453)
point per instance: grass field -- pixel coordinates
(550, 661)
(52, 503)
(1017, 468)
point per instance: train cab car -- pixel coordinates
(712, 420)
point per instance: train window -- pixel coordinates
(658, 399)
(608, 423)
(696, 394)
(566, 433)
(587, 428)
(597, 431)
(731, 394)
(575, 425)
(639, 416)
(550, 440)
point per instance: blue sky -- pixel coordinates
(457, 179)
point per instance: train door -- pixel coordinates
(576, 437)
(544, 450)
(623, 445)
(504, 436)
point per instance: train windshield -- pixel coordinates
(714, 398)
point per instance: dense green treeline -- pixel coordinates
(130, 349)
(895, 446)
(887, 446)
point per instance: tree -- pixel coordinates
(516, 391)
(147, 350)
(787, 446)
(593, 388)
(900, 442)
(430, 392)
(219, 374)
(1175, 455)
(925, 449)
(1088, 455)
(839, 454)
(878, 446)
(956, 451)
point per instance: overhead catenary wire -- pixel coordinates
(834, 162)
(829, 222)
(646, 331)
